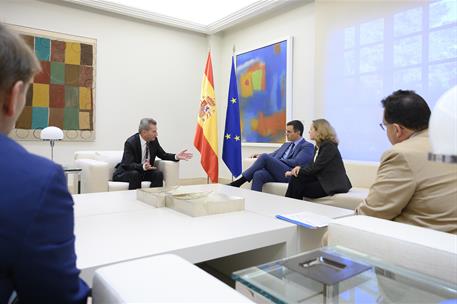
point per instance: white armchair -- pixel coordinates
(98, 168)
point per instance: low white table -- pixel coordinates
(113, 227)
(270, 204)
(93, 204)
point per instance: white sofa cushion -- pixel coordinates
(349, 200)
(275, 188)
(424, 250)
(110, 157)
(361, 174)
(159, 279)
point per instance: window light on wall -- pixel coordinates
(413, 49)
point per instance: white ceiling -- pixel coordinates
(204, 16)
(203, 12)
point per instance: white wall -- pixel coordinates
(297, 22)
(143, 70)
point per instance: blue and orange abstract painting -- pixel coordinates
(262, 78)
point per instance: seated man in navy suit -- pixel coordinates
(37, 244)
(272, 167)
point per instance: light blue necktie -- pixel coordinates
(289, 151)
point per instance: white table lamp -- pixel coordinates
(443, 128)
(51, 134)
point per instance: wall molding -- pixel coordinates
(253, 10)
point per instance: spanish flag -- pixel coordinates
(206, 134)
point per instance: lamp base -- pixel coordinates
(52, 142)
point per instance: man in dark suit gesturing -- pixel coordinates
(37, 243)
(140, 151)
(272, 167)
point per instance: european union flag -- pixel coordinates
(231, 152)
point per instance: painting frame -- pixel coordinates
(88, 110)
(288, 87)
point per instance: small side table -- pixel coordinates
(75, 171)
(335, 275)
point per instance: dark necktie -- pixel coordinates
(292, 146)
(146, 152)
(290, 149)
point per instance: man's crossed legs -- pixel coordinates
(265, 169)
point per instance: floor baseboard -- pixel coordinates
(201, 180)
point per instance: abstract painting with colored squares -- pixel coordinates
(264, 89)
(63, 94)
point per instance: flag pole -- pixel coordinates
(233, 54)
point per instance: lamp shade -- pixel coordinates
(443, 127)
(51, 133)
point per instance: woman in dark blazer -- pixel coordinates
(326, 174)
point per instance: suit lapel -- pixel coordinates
(138, 155)
(292, 152)
(152, 150)
(281, 150)
(296, 149)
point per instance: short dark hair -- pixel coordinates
(298, 126)
(17, 61)
(407, 109)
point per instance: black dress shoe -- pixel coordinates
(238, 183)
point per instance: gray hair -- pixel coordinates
(144, 124)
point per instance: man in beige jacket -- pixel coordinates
(409, 188)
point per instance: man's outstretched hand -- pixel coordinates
(184, 155)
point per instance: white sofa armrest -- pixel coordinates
(170, 170)
(421, 249)
(94, 175)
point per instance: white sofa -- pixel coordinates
(362, 175)
(420, 249)
(98, 167)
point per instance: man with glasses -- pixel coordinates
(409, 188)
(272, 167)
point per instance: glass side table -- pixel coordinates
(75, 171)
(339, 275)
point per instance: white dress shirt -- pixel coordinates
(143, 151)
(315, 155)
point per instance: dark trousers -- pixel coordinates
(134, 178)
(304, 186)
(266, 169)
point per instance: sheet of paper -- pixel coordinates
(306, 219)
